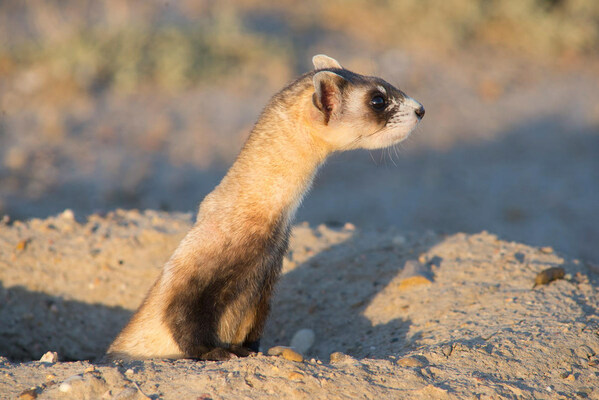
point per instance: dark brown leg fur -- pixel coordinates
(252, 341)
(221, 354)
(194, 310)
(218, 354)
(240, 351)
(253, 346)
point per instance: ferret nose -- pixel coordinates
(420, 112)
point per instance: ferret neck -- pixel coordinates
(271, 175)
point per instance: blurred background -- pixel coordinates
(110, 104)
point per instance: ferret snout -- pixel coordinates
(416, 106)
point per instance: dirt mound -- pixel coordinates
(433, 316)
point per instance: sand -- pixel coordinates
(407, 315)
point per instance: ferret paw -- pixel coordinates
(218, 354)
(241, 351)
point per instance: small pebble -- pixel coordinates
(414, 273)
(414, 281)
(129, 372)
(50, 357)
(66, 386)
(410, 362)
(275, 350)
(28, 394)
(547, 249)
(286, 353)
(549, 275)
(292, 355)
(447, 350)
(295, 376)
(338, 357)
(67, 214)
(22, 245)
(568, 376)
(302, 340)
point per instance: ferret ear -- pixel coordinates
(321, 61)
(328, 96)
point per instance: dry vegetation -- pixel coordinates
(128, 44)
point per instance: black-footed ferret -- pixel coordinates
(213, 295)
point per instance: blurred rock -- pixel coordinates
(302, 340)
(50, 357)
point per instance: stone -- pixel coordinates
(292, 355)
(22, 244)
(50, 357)
(285, 352)
(414, 281)
(338, 357)
(414, 273)
(28, 394)
(302, 340)
(67, 385)
(549, 275)
(410, 362)
(67, 214)
(275, 350)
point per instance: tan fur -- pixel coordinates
(252, 207)
(145, 336)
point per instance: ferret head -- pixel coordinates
(354, 111)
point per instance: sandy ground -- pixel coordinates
(414, 315)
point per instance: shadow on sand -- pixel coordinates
(32, 323)
(535, 184)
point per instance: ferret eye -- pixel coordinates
(378, 102)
